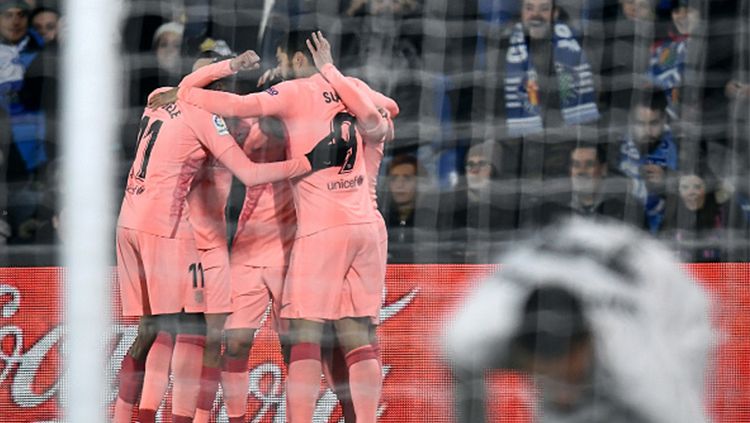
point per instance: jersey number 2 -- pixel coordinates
(344, 127)
(153, 132)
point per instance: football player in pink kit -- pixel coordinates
(335, 211)
(158, 265)
(259, 260)
(333, 357)
(260, 253)
(207, 202)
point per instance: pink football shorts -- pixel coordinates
(158, 275)
(254, 290)
(218, 290)
(336, 273)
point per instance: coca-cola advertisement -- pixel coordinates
(417, 383)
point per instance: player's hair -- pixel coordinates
(552, 323)
(296, 41)
(653, 99)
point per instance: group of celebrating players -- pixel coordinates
(309, 237)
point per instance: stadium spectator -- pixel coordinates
(39, 227)
(653, 175)
(694, 220)
(633, 10)
(167, 43)
(5, 232)
(382, 43)
(39, 95)
(237, 22)
(546, 79)
(671, 54)
(40, 88)
(159, 68)
(738, 216)
(712, 103)
(44, 228)
(592, 192)
(628, 35)
(45, 21)
(738, 102)
(649, 142)
(27, 154)
(602, 318)
(5, 141)
(403, 210)
(476, 214)
(538, 82)
(448, 59)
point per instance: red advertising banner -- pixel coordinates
(417, 384)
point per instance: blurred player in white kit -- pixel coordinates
(601, 316)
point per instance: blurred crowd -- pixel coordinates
(514, 113)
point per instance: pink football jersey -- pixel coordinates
(173, 143)
(207, 201)
(268, 221)
(311, 111)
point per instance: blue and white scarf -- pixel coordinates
(574, 76)
(664, 155)
(654, 211)
(666, 67)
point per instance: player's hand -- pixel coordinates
(162, 99)
(320, 49)
(269, 75)
(248, 60)
(391, 134)
(330, 152)
(737, 89)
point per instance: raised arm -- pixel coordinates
(378, 98)
(355, 100)
(204, 75)
(222, 103)
(207, 74)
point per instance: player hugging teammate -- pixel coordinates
(177, 275)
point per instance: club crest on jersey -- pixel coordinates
(272, 91)
(221, 126)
